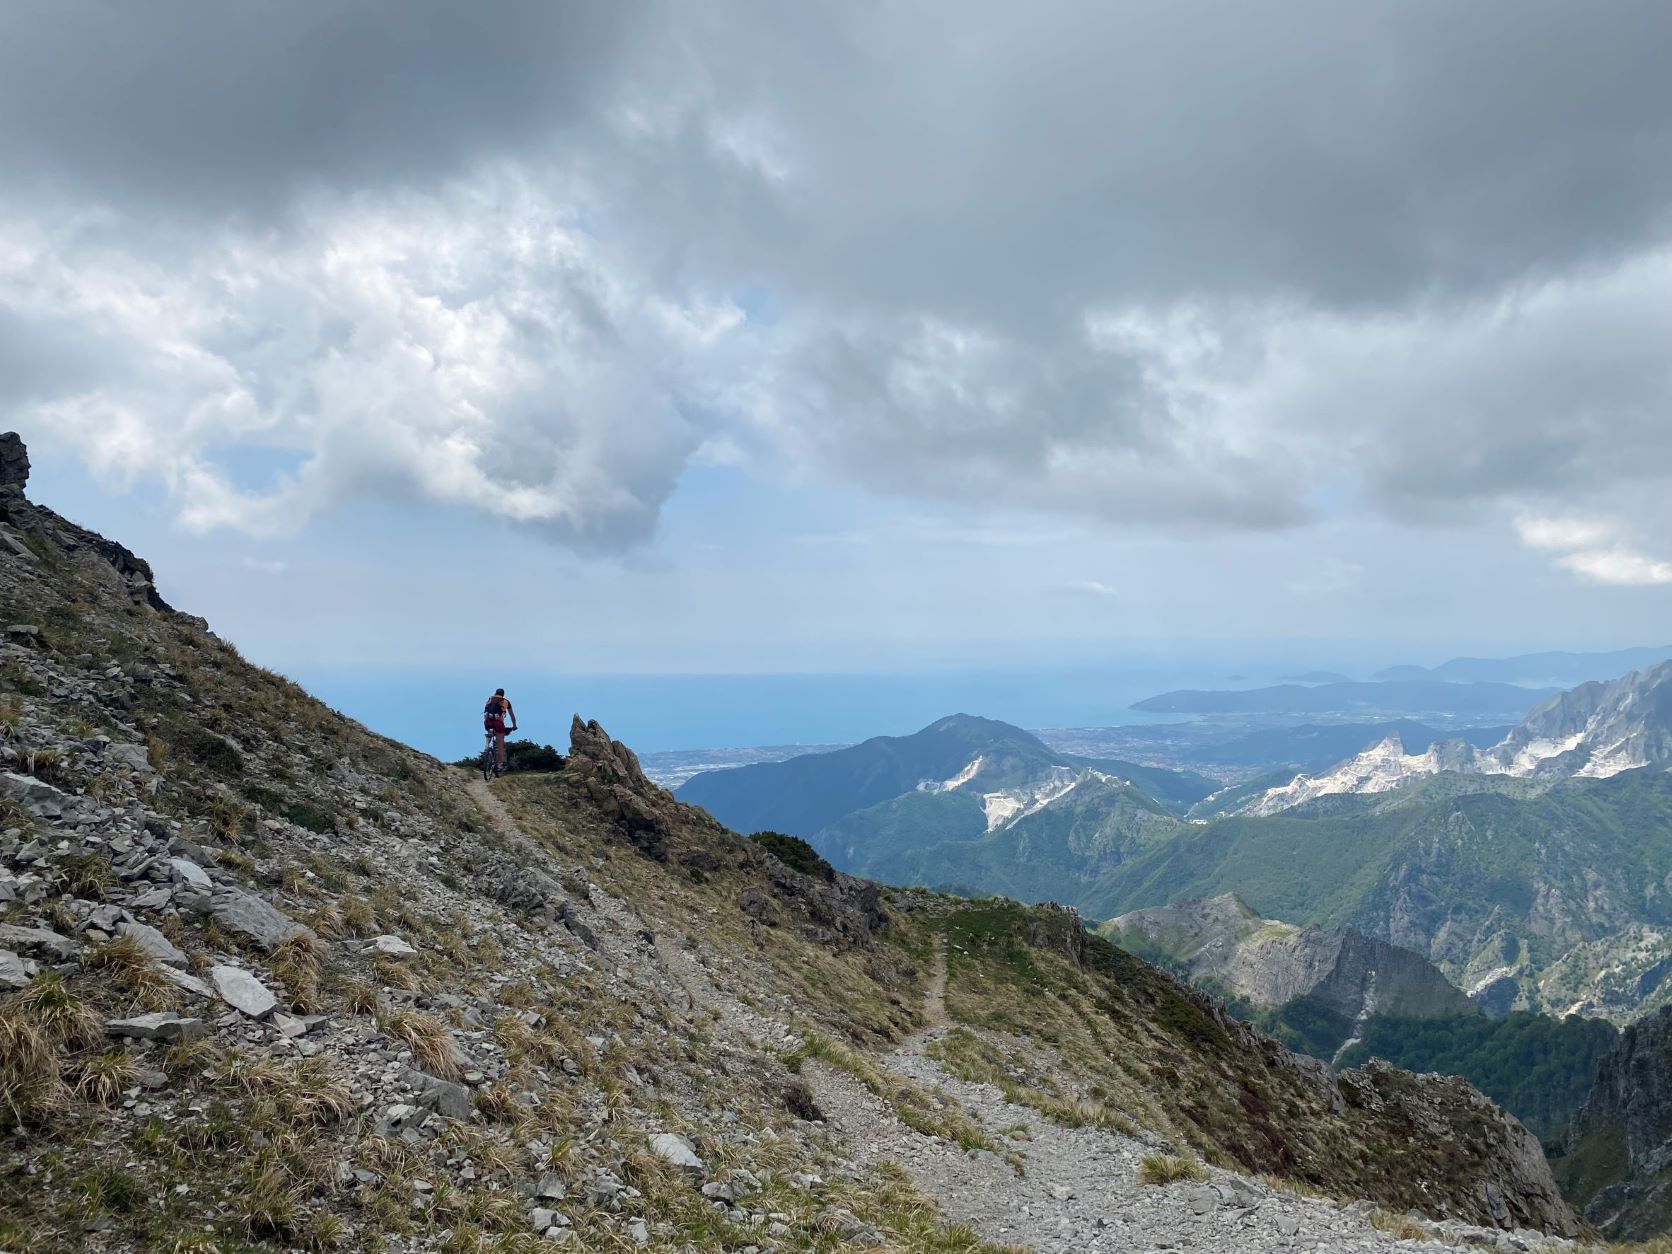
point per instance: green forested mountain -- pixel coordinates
(1051, 853)
(1493, 885)
(807, 794)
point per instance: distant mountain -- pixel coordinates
(1313, 746)
(1558, 669)
(961, 753)
(1062, 835)
(1413, 697)
(1527, 893)
(1317, 677)
(1592, 731)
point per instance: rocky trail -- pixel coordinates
(1078, 1189)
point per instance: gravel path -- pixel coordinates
(1079, 1191)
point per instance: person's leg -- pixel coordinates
(499, 747)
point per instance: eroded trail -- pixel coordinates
(1077, 1189)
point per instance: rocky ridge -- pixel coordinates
(276, 982)
(1593, 731)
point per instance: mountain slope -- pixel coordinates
(1496, 889)
(275, 982)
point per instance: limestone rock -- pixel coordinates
(241, 990)
(249, 915)
(161, 1026)
(675, 1149)
(153, 943)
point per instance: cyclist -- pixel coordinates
(494, 714)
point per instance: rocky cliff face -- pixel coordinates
(1221, 943)
(1616, 1161)
(270, 981)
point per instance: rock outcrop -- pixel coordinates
(1616, 1161)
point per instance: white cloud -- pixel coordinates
(1093, 588)
(1591, 549)
(472, 348)
(1617, 566)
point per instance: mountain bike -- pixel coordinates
(490, 760)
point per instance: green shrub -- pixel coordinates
(795, 853)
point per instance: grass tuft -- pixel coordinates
(1163, 1169)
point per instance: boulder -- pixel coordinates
(39, 940)
(444, 1097)
(249, 915)
(188, 872)
(391, 945)
(14, 462)
(242, 991)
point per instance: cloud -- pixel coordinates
(1090, 588)
(1591, 548)
(1081, 260)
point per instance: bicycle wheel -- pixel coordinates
(488, 762)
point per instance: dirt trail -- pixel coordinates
(1078, 1190)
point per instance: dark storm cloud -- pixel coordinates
(210, 107)
(1198, 264)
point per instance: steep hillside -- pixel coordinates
(275, 982)
(1219, 943)
(1616, 1161)
(1082, 824)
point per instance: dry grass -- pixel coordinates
(103, 1078)
(1401, 1226)
(1163, 1169)
(429, 1040)
(135, 974)
(298, 964)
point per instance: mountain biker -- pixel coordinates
(494, 715)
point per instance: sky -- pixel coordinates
(415, 343)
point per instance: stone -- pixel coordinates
(160, 1026)
(39, 940)
(192, 985)
(189, 872)
(153, 943)
(1061, 1192)
(30, 791)
(250, 916)
(391, 945)
(12, 973)
(673, 1148)
(639, 1231)
(446, 1098)
(242, 991)
(1202, 1199)
(130, 757)
(552, 1188)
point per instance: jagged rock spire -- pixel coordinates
(14, 461)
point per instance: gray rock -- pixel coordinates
(129, 757)
(1202, 1199)
(391, 945)
(249, 915)
(192, 985)
(552, 1188)
(12, 974)
(160, 1026)
(241, 990)
(39, 940)
(153, 942)
(675, 1149)
(189, 872)
(445, 1098)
